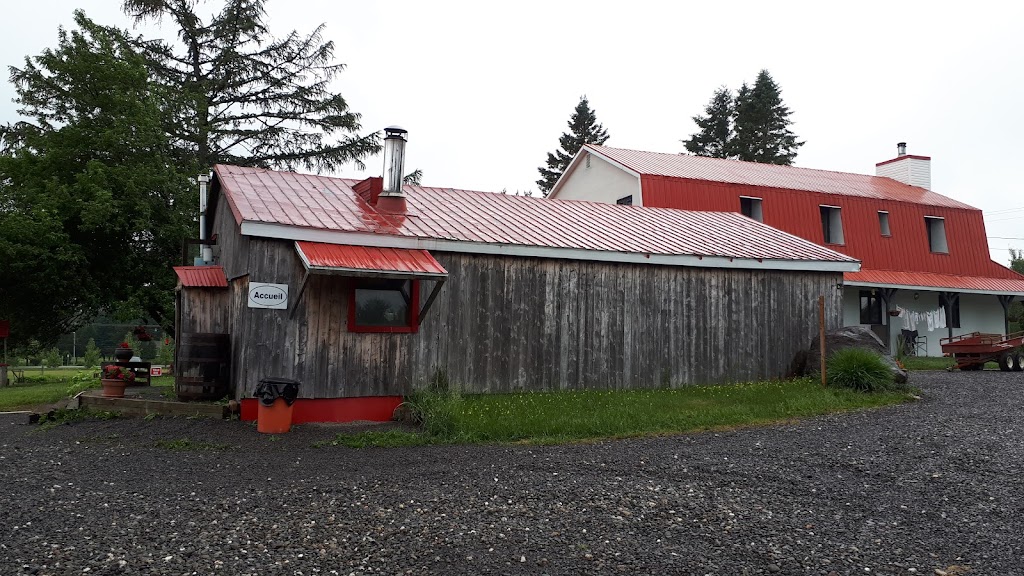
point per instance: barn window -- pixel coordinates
(751, 208)
(883, 223)
(936, 234)
(625, 200)
(831, 224)
(870, 307)
(384, 306)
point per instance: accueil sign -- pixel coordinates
(271, 296)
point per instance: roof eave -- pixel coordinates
(294, 233)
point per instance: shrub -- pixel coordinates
(91, 359)
(858, 369)
(52, 358)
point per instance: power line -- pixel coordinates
(1005, 238)
(1003, 210)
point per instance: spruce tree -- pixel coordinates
(246, 97)
(583, 129)
(761, 124)
(715, 127)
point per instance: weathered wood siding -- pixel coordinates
(204, 310)
(508, 323)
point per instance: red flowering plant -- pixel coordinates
(142, 334)
(114, 372)
(124, 345)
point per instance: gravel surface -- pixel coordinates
(928, 488)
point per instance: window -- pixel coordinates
(384, 306)
(751, 208)
(870, 307)
(936, 234)
(831, 224)
(953, 309)
(625, 200)
(883, 223)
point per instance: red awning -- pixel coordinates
(932, 281)
(201, 276)
(369, 261)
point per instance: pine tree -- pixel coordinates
(245, 97)
(761, 123)
(715, 127)
(583, 129)
(91, 359)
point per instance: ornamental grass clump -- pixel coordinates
(859, 369)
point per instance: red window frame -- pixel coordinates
(412, 325)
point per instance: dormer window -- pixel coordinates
(883, 223)
(751, 208)
(831, 224)
(936, 228)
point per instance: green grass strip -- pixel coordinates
(555, 417)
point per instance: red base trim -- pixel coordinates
(305, 410)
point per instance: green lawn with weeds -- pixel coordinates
(56, 384)
(58, 417)
(555, 417)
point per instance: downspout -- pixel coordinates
(207, 252)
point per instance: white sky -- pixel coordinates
(485, 89)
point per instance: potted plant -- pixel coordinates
(115, 378)
(123, 352)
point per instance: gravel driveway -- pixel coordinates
(903, 490)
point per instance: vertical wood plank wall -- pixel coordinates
(204, 310)
(506, 324)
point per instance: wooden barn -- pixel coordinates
(363, 291)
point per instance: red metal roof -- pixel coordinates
(262, 196)
(930, 280)
(772, 176)
(201, 276)
(368, 258)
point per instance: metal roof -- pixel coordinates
(462, 220)
(336, 258)
(929, 280)
(771, 176)
(201, 276)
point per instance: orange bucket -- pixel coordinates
(274, 419)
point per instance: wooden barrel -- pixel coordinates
(203, 369)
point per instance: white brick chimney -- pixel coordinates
(913, 170)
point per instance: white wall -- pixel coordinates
(978, 313)
(600, 182)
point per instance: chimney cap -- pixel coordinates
(395, 132)
(901, 149)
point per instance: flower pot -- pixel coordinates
(123, 354)
(113, 388)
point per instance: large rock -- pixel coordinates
(851, 337)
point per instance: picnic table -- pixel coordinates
(141, 369)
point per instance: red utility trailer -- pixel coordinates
(971, 351)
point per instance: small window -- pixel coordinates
(883, 223)
(384, 306)
(831, 224)
(936, 234)
(870, 307)
(953, 309)
(625, 200)
(751, 208)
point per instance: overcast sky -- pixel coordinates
(485, 89)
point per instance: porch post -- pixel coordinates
(948, 298)
(1005, 301)
(888, 295)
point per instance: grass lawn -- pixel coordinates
(55, 385)
(551, 417)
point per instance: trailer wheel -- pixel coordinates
(1006, 362)
(1018, 362)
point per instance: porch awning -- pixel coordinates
(368, 261)
(201, 276)
(932, 281)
